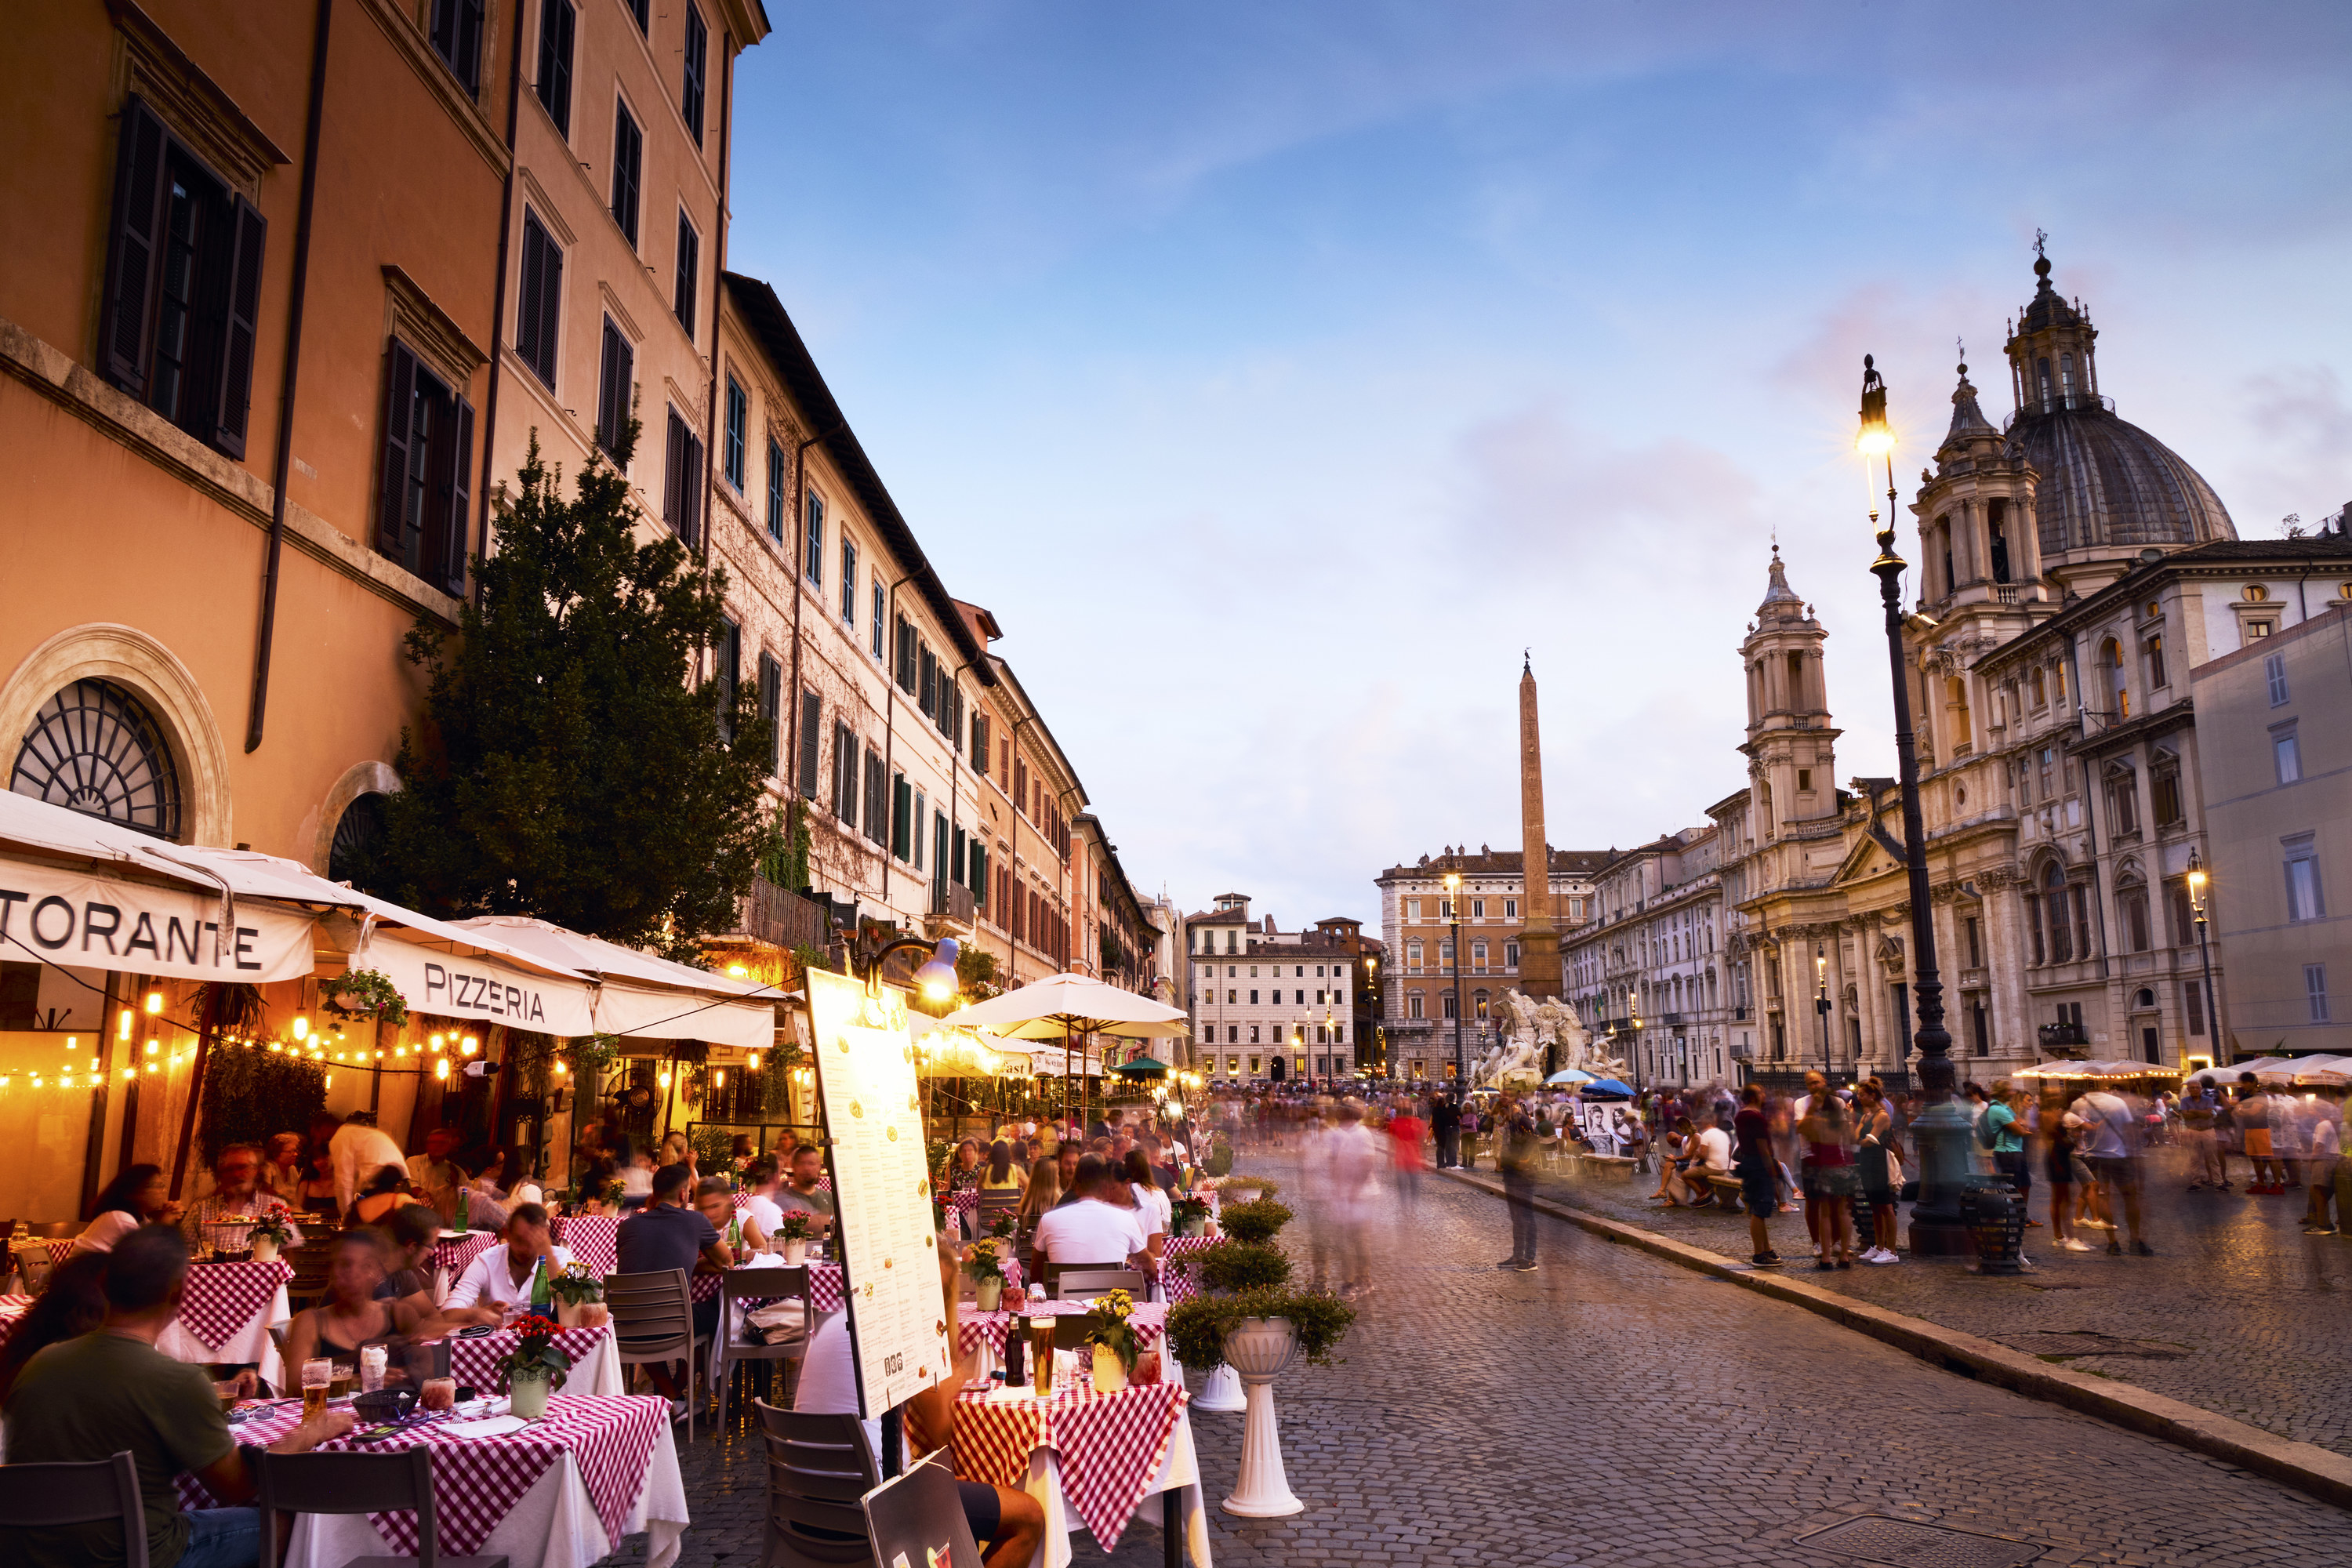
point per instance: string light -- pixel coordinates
(301, 1028)
(130, 1073)
(69, 1043)
(470, 1045)
(755, 1061)
(150, 1066)
(441, 1068)
(154, 1001)
(122, 1026)
(152, 1044)
(436, 1042)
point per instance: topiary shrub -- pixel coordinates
(1255, 1222)
(1238, 1265)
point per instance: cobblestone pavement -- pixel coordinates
(2245, 1314)
(1614, 1408)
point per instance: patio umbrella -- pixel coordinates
(1609, 1086)
(1570, 1076)
(1067, 1005)
(1141, 1067)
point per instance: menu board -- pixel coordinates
(881, 1189)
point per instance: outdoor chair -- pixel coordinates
(652, 1321)
(908, 1515)
(357, 1483)
(818, 1468)
(34, 1495)
(310, 1260)
(1086, 1284)
(32, 1266)
(751, 1288)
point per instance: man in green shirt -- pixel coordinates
(110, 1390)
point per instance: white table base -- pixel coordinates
(1179, 1472)
(250, 1343)
(554, 1525)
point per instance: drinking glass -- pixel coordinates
(438, 1393)
(371, 1364)
(1041, 1351)
(318, 1376)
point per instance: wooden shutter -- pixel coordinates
(129, 321)
(247, 236)
(556, 19)
(539, 298)
(812, 715)
(399, 404)
(613, 394)
(772, 709)
(442, 550)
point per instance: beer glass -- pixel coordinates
(318, 1376)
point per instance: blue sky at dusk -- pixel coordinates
(1276, 373)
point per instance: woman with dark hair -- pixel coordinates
(385, 1191)
(1004, 1176)
(963, 1168)
(73, 1303)
(140, 1195)
(354, 1316)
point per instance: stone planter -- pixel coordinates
(1260, 1350)
(527, 1395)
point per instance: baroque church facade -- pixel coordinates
(2072, 574)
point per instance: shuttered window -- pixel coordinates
(628, 170)
(727, 673)
(615, 390)
(905, 634)
(682, 481)
(976, 873)
(690, 274)
(980, 744)
(845, 773)
(540, 299)
(424, 498)
(902, 801)
(182, 286)
(772, 709)
(775, 492)
(813, 565)
(557, 21)
(811, 715)
(457, 35)
(739, 413)
(877, 797)
(692, 88)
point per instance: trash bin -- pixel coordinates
(1994, 1213)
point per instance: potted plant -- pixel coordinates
(272, 1231)
(1191, 1215)
(1244, 1189)
(985, 1264)
(1255, 1222)
(792, 1235)
(574, 1289)
(534, 1368)
(365, 993)
(1114, 1339)
(1002, 1226)
(1259, 1333)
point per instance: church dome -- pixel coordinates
(2102, 481)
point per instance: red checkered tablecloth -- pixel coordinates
(1177, 1283)
(11, 1311)
(222, 1297)
(1111, 1445)
(1149, 1320)
(473, 1363)
(824, 1286)
(60, 1248)
(457, 1252)
(591, 1239)
(477, 1481)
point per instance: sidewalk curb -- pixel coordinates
(2305, 1466)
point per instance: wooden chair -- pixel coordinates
(652, 1321)
(1077, 1284)
(818, 1468)
(907, 1515)
(357, 1483)
(32, 1495)
(751, 1287)
(32, 1267)
(310, 1261)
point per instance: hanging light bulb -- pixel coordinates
(436, 1042)
(664, 1079)
(122, 1026)
(560, 1068)
(301, 1028)
(70, 1044)
(755, 1061)
(130, 1073)
(152, 1044)
(718, 1077)
(150, 1066)
(330, 1081)
(441, 1068)
(470, 1045)
(154, 1001)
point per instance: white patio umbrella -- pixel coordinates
(1064, 1006)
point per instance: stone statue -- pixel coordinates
(1528, 1026)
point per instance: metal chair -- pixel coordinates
(653, 1321)
(310, 1261)
(907, 1514)
(357, 1483)
(818, 1468)
(41, 1495)
(1077, 1284)
(746, 1287)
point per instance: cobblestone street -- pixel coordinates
(2239, 1312)
(1614, 1408)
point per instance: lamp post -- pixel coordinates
(1454, 916)
(1821, 1000)
(2204, 953)
(1942, 1131)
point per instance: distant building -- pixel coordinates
(1273, 1005)
(1651, 970)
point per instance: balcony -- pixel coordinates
(2063, 1039)
(951, 913)
(782, 917)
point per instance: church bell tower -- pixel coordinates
(1792, 744)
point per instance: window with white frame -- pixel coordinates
(2314, 987)
(2304, 898)
(2286, 753)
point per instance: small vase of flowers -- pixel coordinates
(1114, 1339)
(534, 1368)
(576, 1291)
(272, 1231)
(793, 1236)
(1190, 1214)
(986, 1263)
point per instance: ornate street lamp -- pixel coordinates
(2205, 953)
(1942, 1131)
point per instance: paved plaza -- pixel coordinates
(2239, 1312)
(1614, 1408)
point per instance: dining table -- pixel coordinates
(1089, 1460)
(225, 1313)
(558, 1493)
(11, 1312)
(1176, 1280)
(595, 1358)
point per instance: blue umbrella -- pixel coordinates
(1609, 1086)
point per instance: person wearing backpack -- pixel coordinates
(1998, 1129)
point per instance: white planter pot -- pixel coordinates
(795, 1252)
(1259, 1349)
(265, 1248)
(569, 1313)
(987, 1293)
(527, 1396)
(1109, 1371)
(1221, 1391)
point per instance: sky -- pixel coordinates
(1280, 374)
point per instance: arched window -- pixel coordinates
(2066, 375)
(95, 748)
(1944, 544)
(1956, 693)
(359, 834)
(2043, 366)
(2131, 910)
(2056, 898)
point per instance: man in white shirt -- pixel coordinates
(1090, 1232)
(500, 1277)
(359, 1150)
(2110, 1147)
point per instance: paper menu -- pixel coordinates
(881, 1188)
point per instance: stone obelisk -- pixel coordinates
(1539, 976)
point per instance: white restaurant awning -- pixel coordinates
(641, 995)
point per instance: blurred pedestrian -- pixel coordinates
(1516, 1153)
(2111, 1143)
(1830, 1180)
(1759, 1183)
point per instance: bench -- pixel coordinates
(1606, 1167)
(1726, 1190)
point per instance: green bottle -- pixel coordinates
(735, 1233)
(540, 1294)
(463, 1194)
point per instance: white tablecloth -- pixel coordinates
(553, 1526)
(1181, 1472)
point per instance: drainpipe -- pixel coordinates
(890, 736)
(282, 462)
(497, 314)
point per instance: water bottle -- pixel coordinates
(540, 1295)
(735, 1233)
(463, 1194)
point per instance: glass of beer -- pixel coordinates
(227, 1391)
(1041, 1355)
(318, 1376)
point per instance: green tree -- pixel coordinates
(570, 766)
